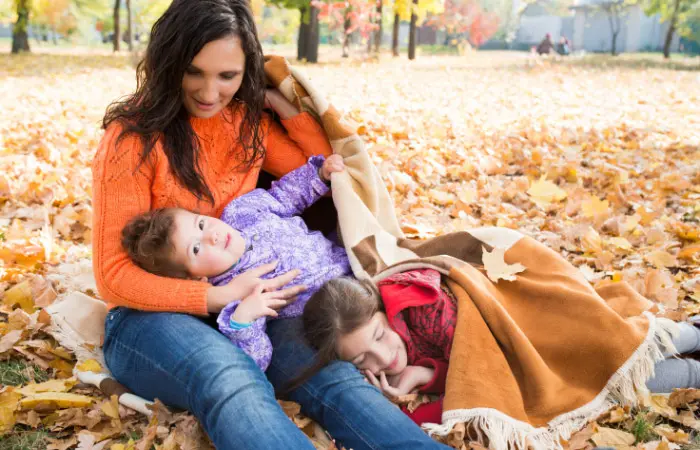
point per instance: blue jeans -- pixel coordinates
(184, 362)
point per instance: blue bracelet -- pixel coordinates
(238, 326)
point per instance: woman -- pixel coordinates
(193, 135)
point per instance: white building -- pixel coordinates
(588, 27)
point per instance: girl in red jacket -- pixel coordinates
(402, 340)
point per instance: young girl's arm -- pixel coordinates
(290, 195)
(244, 323)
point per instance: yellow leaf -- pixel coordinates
(620, 243)
(609, 437)
(690, 253)
(544, 192)
(660, 259)
(9, 403)
(21, 295)
(57, 400)
(89, 365)
(591, 241)
(48, 386)
(677, 436)
(497, 268)
(111, 407)
(595, 207)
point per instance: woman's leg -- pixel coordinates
(185, 363)
(354, 412)
(675, 373)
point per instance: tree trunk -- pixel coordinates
(346, 36)
(412, 33)
(395, 36)
(671, 29)
(313, 38)
(370, 36)
(20, 34)
(303, 35)
(614, 18)
(130, 26)
(117, 31)
(380, 31)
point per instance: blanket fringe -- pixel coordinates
(624, 387)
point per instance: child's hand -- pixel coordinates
(277, 102)
(258, 304)
(332, 164)
(410, 379)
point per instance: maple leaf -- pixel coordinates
(497, 268)
(544, 192)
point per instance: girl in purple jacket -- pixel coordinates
(261, 229)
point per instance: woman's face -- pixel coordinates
(213, 77)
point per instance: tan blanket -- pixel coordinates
(533, 359)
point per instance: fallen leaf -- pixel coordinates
(111, 407)
(544, 192)
(55, 400)
(677, 436)
(681, 397)
(89, 365)
(62, 444)
(610, 437)
(661, 259)
(497, 268)
(580, 439)
(48, 386)
(595, 207)
(9, 340)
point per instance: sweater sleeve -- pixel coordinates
(298, 190)
(437, 384)
(252, 339)
(121, 192)
(287, 150)
(426, 413)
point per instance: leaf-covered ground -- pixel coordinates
(598, 158)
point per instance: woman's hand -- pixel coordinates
(244, 284)
(277, 102)
(409, 380)
(332, 164)
(258, 304)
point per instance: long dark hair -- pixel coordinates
(340, 307)
(156, 111)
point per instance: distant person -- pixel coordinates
(546, 46)
(563, 47)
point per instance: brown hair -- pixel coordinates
(147, 239)
(340, 307)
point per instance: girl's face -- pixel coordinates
(213, 77)
(374, 347)
(205, 245)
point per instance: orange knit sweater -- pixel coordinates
(120, 193)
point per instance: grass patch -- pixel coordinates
(15, 372)
(22, 439)
(642, 428)
(632, 61)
